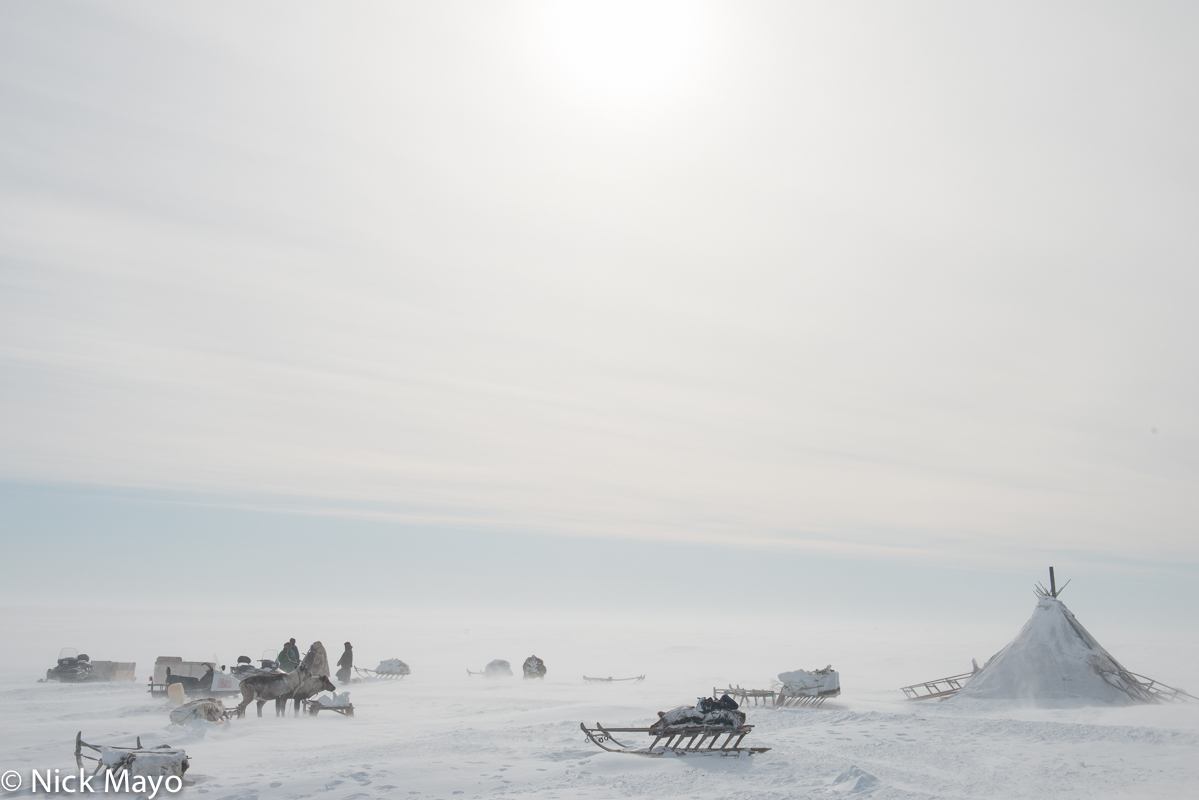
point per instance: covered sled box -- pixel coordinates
(817, 683)
(120, 671)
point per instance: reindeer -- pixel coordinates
(307, 689)
(299, 684)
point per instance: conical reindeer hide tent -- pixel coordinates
(1055, 662)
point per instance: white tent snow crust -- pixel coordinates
(1055, 662)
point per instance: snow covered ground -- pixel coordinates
(442, 734)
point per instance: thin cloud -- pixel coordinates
(813, 298)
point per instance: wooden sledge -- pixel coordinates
(770, 698)
(1162, 692)
(944, 688)
(939, 689)
(387, 676)
(784, 699)
(496, 668)
(126, 762)
(80, 755)
(314, 707)
(747, 697)
(637, 679)
(677, 741)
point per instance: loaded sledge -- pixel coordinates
(161, 762)
(389, 669)
(710, 726)
(798, 688)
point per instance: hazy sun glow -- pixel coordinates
(624, 49)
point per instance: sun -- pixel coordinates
(624, 49)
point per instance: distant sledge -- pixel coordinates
(389, 669)
(499, 668)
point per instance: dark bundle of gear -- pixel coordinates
(707, 712)
(534, 667)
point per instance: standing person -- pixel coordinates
(289, 657)
(346, 662)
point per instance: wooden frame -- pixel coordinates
(938, 689)
(80, 756)
(769, 698)
(387, 676)
(314, 707)
(1162, 692)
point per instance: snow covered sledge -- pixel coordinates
(338, 703)
(391, 669)
(794, 689)
(803, 688)
(710, 726)
(208, 709)
(159, 762)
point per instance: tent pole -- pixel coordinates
(1052, 584)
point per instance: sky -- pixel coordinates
(873, 293)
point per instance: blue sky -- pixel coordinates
(94, 548)
(843, 284)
